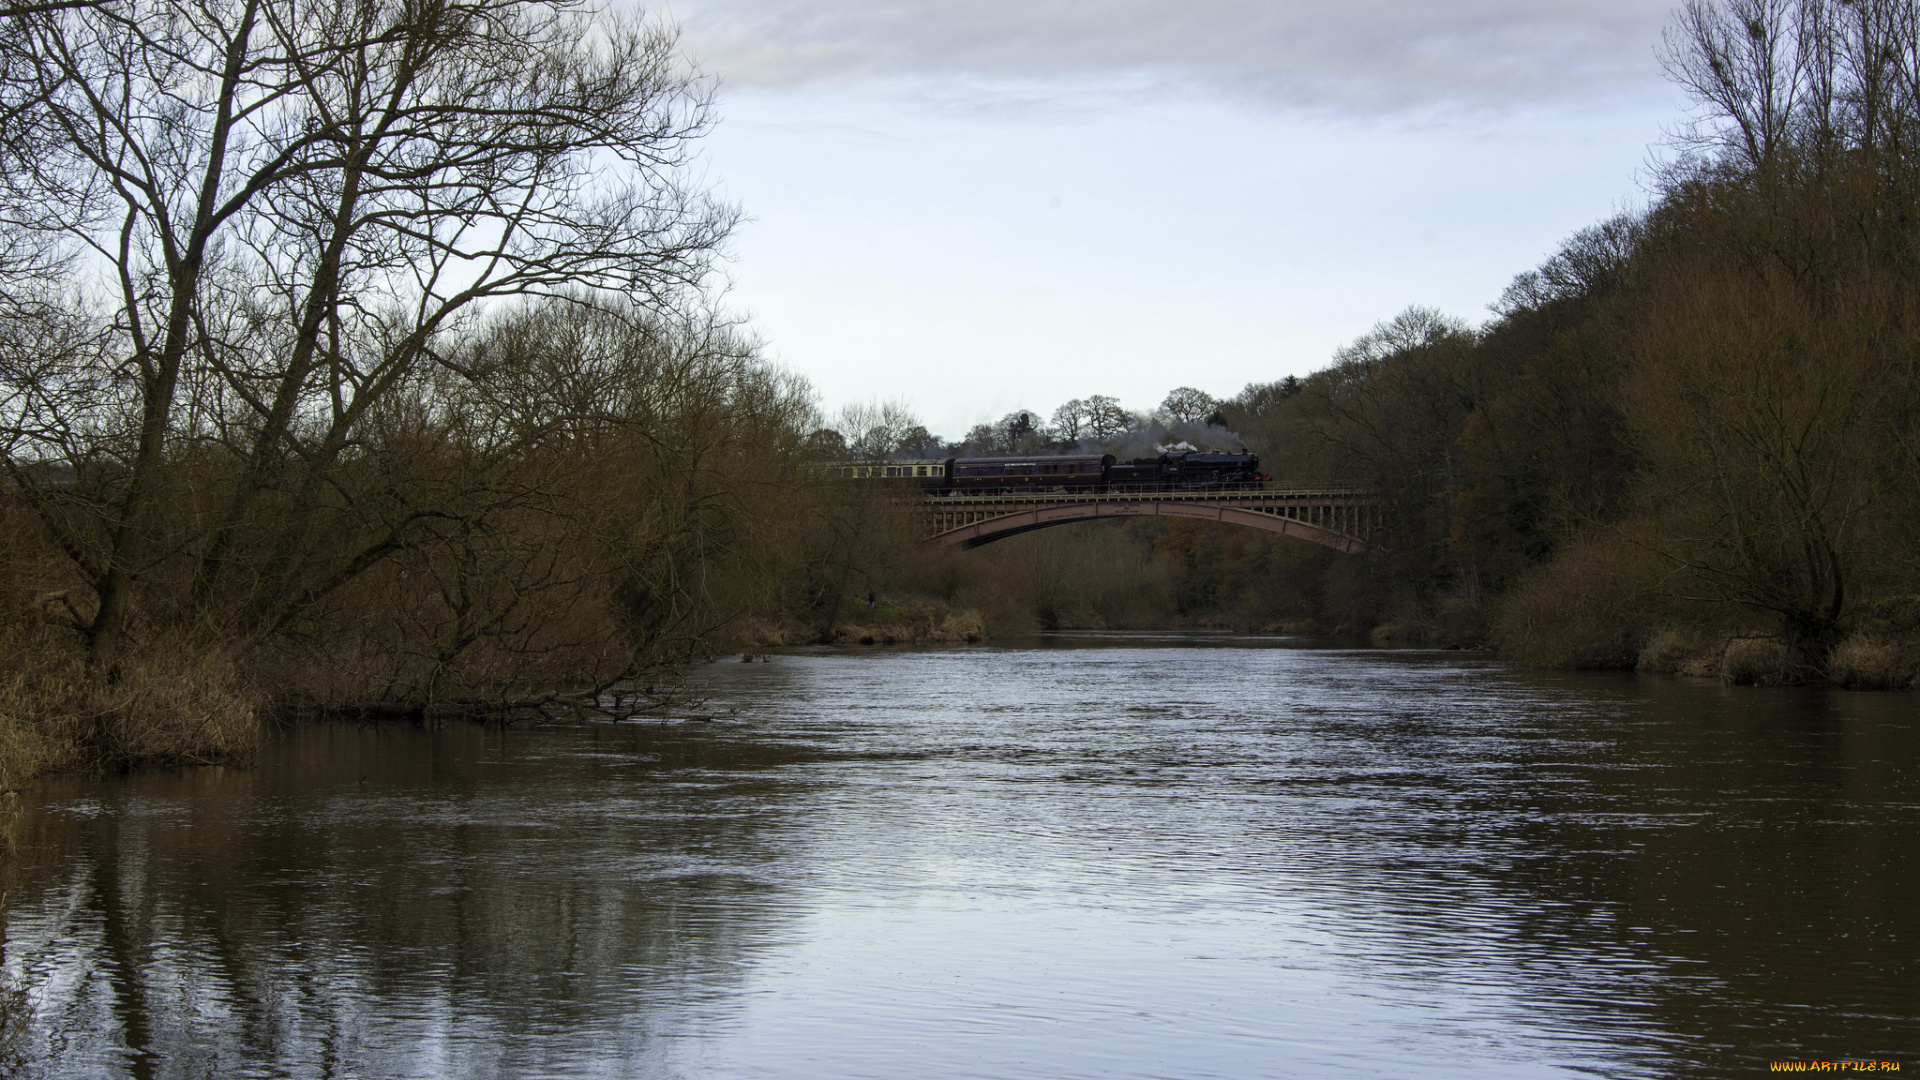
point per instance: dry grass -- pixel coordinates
(1407, 629)
(40, 731)
(170, 704)
(1461, 623)
(1684, 651)
(1760, 661)
(1862, 662)
(952, 628)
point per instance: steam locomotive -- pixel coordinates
(1176, 471)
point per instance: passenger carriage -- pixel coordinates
(1070, 472)
(1052, 472)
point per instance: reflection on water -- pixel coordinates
(1105, 856)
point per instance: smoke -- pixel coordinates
(1154, 436)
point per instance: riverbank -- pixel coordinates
(188, 706)
(1879, 657)
(1858, 662)
(1607, 605)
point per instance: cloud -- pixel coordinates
(1364, 55)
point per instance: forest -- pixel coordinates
(1687, 442)
(363, 360)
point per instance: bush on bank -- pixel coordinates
(1862, 662)
(177, 705)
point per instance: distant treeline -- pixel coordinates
(889, 429)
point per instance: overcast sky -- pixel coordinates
(982, 205)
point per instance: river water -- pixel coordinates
(1093, 856)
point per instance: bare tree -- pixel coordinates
(294, 207)
(876, 430)
(1070, 421)
(919, 442)
(1770, 390)
(1257, 400)
(1189, 406)
(1764, 421)
(1803, 78)
(613, 472)
(1019, 432)
(1749, 63)
(1106, 418)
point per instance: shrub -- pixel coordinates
(39, 729)
(171, 706)
(1460, 623)
(175, 705)
(1690, 651)
(1862, 662)
(1409, 628)
(1760, 661)
(1588, 608)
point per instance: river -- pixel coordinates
(1082, 856)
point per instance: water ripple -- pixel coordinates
(1116, 857)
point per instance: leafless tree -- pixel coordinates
(288, 209)
(1749, 62)
(1106, 418)
(1804, 78)
(1070, 421)
(876, 430)
(919, 442)
(615, 471)
(1770, 390)
(1189, 406)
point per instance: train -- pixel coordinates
(1171, 471)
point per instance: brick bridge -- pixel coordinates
(1340, 517)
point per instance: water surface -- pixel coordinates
(1118, 856)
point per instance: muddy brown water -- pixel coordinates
(1094, 856)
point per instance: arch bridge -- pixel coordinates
(1343, 518)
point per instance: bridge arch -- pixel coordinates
(1340, 520)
